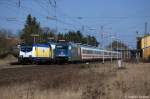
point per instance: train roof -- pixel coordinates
(62, 43)
(41, 45)
(84, 46)
(52, 42)
(98, 49)
(38, 44)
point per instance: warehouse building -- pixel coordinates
(143, 45)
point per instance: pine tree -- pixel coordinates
(31, 27)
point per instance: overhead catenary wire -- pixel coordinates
(69, 20)
(39, 3)
(51, 4)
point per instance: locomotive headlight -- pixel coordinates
(69, 47)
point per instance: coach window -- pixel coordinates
(84, 51)
(100, 52)
(91, 52)
(97, 52)
(88, 52)
(109, 53)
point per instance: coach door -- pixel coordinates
(79, 52)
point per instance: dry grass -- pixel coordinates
(5, 62)
(28, 91)
(79, 81)
(133, 81)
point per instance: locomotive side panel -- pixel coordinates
(42, 52)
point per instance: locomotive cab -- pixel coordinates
(62, 52)
(25, 53)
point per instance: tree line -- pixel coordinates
(34, 33)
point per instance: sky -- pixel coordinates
(114, 19)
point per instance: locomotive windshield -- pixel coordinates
(62, 47)
(26, 48)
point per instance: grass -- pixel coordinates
(75, 81)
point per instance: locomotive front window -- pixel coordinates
(26, 48)
(62, 47)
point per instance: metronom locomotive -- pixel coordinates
(36, 53)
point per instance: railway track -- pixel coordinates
(17, 65)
